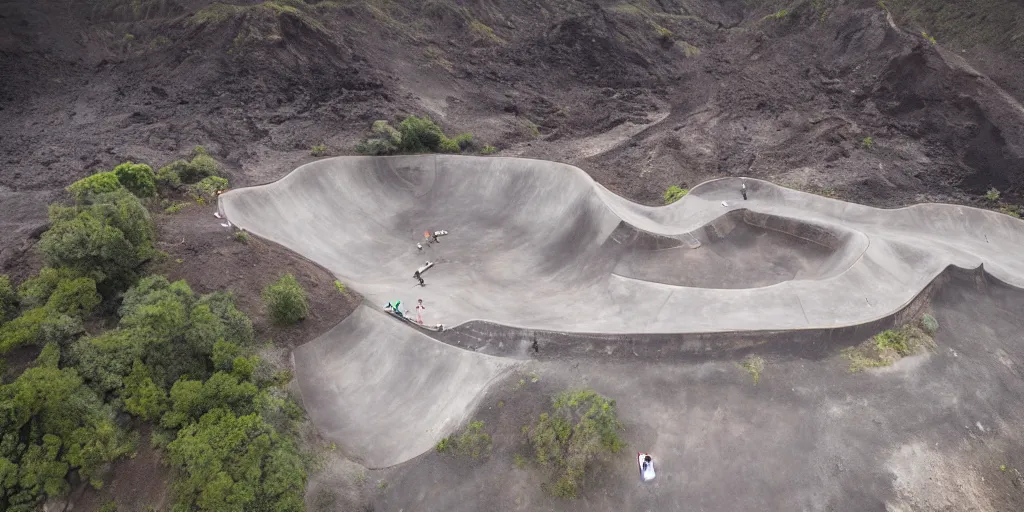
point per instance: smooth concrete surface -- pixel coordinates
(385, 392)
(540, 245)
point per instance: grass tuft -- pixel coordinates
(754, 365)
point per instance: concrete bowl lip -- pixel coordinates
(700, 187)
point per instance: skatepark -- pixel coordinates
(538, 248)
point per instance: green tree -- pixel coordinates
(50, 424)
(76, 297)
(420, 134)
(190, 399)
(139, 179)
(105, 360)
(8, 300)
(582, 428)
(234, 463)
(106, 240)
(142, 397)
(286, 300)
(59, 320)
(97, 184)
(34, 292)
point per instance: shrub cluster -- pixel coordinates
(675, 193)
(413, 135)
(286, 300)
(581, 429)
(201, 165)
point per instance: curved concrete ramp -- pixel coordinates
(386, 392)
(540, 245)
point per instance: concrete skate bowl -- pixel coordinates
(529, 240)
(740, 249)
(539, 245)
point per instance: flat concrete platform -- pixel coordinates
(540, 245)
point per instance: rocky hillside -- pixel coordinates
(886, 103)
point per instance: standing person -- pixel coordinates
(743, 189)
(416, 275)
(433, 237)
(419, 311)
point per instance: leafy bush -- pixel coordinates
(209, 187)
(488, 150)
(191, 399)
(464, 140)
(97, 184)
(888, 346)
(170, 174)
(448, 146)
(318, 150)
(241, 236)
(341, 287)
(231, 462)
(376, 147)
(473, 441)
(8, 299)
(202, 165)
(992, 194)
(61, 426)
(286, 300)
(137, 178)
(868, 142)
(582, 428)
(929, 324)
(385, 140)
(58, 320)
(107, 240)
(420, 134)
(675, 193)
(34, 292)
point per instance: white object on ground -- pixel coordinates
(725, 203)
(425, 266)
(440, 233)
(226, 224)
(646, 465)
(217, 214)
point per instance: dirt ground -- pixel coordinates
(206, 254)
(938, 431)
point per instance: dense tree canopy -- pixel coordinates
(106, 237)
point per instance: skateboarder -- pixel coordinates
(419, 311)
(743, 189)
(395, 307)
(417, 276)
(433, 237)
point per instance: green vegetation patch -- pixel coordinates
(889, 346)
(754, 365)
(675, 193)
(472, 442)
(581, 429)
(413, 135)
(286, 300)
